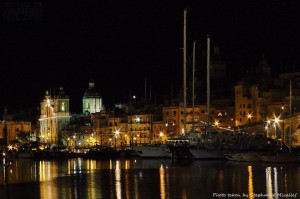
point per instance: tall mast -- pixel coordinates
(290, 132)
(130, 112)
(193, 100)
(208, 82)
(184, 72)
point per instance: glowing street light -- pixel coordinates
(217, 123)
(249, 117)
(117, 132)
(276, 121)
(267, 127)
(161, 134)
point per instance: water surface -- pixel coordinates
(150, 178)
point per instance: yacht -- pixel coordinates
(283, 155)
(153, 151)
(250, 156)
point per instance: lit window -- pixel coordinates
(63, 106)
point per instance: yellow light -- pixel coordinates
(161, 134)
(276, 120)
(217, 123)
(10, 147)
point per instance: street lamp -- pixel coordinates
(161, 134)
(249, 120)
(249, 117)
(117, 132)
(217, 123)
(276, 121)
(267, 127)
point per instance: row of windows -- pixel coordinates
(244, 106)
(132, 129)
(244, 113)
(202, 111)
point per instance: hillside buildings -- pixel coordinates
(259, 104)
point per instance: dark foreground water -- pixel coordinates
(151, 178)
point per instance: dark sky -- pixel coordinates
(47, 44)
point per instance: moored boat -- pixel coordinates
(208, 153)
(284, 155)
(180, 148)
(102, 152)
(153, 151)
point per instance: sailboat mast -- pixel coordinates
(290, 132)
(208, 82)
(193, 99)
(184, 72)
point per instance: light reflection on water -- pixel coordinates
(136, 178)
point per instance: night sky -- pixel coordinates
(118, 44)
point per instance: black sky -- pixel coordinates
(120, 43)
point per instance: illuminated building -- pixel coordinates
(91, 101)
(13, 128)
(9, 128)
(54, 117)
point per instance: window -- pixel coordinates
(174, 112)
(62, 106)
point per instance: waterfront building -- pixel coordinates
(11, 127)
(9, 130)
(91, 101)
(159, 135)
(269, 105)
(55, 115)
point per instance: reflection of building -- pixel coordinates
(91, 101)
(54, 117)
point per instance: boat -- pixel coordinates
(233, 156)
(282, 155)
(180, 148)
(102, 152)
(153, 151)
(208, 153)
(287, 157)
(251, 156)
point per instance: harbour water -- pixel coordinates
(146, 178)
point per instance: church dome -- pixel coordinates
(91, 91)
